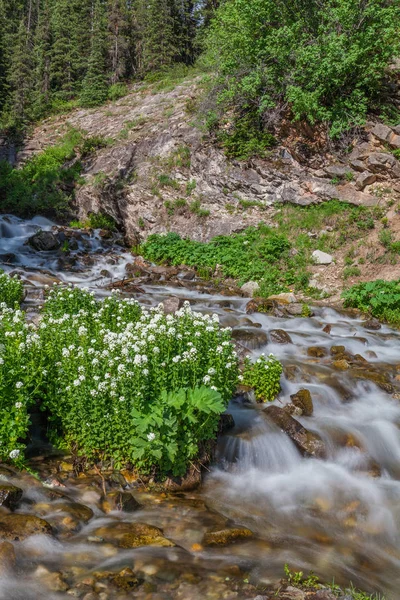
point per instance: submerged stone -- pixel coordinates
(121, 501)
(279, 336)
(316, 351)
(224, 537)
(251, 338)
(7, 557)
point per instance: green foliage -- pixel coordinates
(11, 290)
(245, 138)
(92, 144)
(297, 578)
(46, 182)
(167, 181)
(117, 91)
(379, 298)
(120, 383)
(258, 253)
(326, 62)
(94, 86)
(263, 376)
(351, 272)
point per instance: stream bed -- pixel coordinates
(338, 516)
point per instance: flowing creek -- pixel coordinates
(338, 516)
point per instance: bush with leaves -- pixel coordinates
(379, 298)
(324, 61)
(263, 376)
(11, 290)
(127, 384)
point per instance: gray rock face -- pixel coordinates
(322, 258)
(386, 134)
(365, 179)
(381, 162)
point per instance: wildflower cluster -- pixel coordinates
(120, 383)
(264, 376)
(19, 344)
(11, 289)
(113, 369)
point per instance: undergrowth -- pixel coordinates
(379, 298)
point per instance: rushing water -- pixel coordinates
(338, 516)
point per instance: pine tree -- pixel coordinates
(118, 40)
(21, 73)
(42, 54)
(157, 47)
(94, 87)
(3, 62)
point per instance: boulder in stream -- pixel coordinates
(121, 501)
(10, 495)
(279, 336)
(302, 400)
(308, 443)
(44, 241)
(251, 338)
(15, 528)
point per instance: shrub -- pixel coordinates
(11, 290)
(45, 182)
(379, 298)
(326, 61)
(117, 91)
(128, 384)
(257, 254)
(263, 376)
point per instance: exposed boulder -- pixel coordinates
(322, 258)
(251, 288)
(308, 443)
(284, 298)
(386, 134)
(172, 304)
(44, 241)
(382, 162)
(249, 337)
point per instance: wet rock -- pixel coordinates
(296, 310)
(291, 593)
(7, 557)
(322, 258)
(226, 423)
(260, 305)
(302, 399)
(172, 304)
(187, 276)
(122, 501)
(10, 495)
(308, 443)
(8, 258)
(279, 336)
(337, 350)
(364, 179)
(316, 351)
(379, 378)
(327, 329)
(133, 535)
(341, 364)
(53, 580)
(44, 241)
(225, 537)
(251, 288)
(372, 324)
(250, 337)
(15, 527)
(125, 580)
(322, 595)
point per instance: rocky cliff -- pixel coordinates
(161, 172)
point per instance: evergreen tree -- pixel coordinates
(43, 49)
(94, 87)
(118, 39)
(21, 74)
(3, 62)
(157, 45)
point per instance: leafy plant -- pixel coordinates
(351, 272)
(117, 91)
(297, 578)
(379, 298)
(11, 290)
(263, 376)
